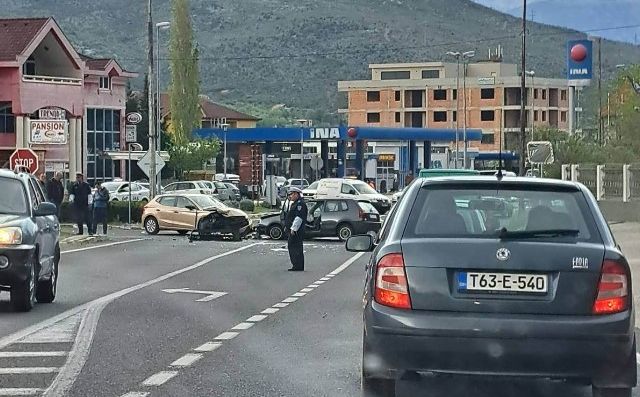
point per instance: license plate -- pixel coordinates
(502, 282)
(373, 217)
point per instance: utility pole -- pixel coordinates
(523, 88)
(457, 105)
(150, 98)
(600, 120)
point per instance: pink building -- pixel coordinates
(67, 107)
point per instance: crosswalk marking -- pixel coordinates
(28, 370)
(31, 354)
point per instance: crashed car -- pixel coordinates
(198, 213)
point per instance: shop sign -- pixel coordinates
(48, 132)
(52, 114)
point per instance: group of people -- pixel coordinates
(88, 207)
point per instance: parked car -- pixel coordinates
(457, 286)
(29, 241)
(327, 218)
(188, 187)
(189, 212)
(352, 188)
(119, 191)
(310, 191)
(235, 191)
(233, 178)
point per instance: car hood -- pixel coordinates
(11, 220)
(228, 211)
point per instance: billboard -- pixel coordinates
(579, 60)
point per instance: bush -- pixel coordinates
(247, 205)
(118, 211)
(265, 204)
(231, 203)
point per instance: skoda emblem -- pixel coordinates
(503, 254)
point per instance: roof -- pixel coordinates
(16, 35)
(210, 109)
(95, 63)
(506, 181)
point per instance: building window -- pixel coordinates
(105, 83)
(373, 117)
(397, 96)
(397, 117)
(440, 95)
(563, 95)
(29, 67)
(487, 93)
(103, 134)
(395, 75)
(535, 115)
(563, 117)
(544, 116)
(454, 115)
(488, 138)
(439, 116)
(454, 94)
(7, 120)
(431, 74)
(544, 94)
(373, 96)
(535, 93)
(487, 115)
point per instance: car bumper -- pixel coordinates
(595, 349)
(17, 272)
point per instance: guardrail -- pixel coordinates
(606, 181)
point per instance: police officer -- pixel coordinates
(295, 223)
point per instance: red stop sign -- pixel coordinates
(24, 158)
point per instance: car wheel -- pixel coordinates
(46, 291)
(611, 392)
(151, 225)
(114, 199)
(23, 296)
(344, 231)
(182, 232)
(275, 232)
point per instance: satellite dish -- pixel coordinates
(540, 152)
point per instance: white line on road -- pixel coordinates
(136, 394)
(345, 265)
(226, 336)
(93, 247)
(28, 370)
(256, 318)
(638, 358)
(242, 326)
(208, 347)
(306, 289)
(160, 378)
(312, 286)
(319, 282)
(15, 391)
(281, 305)
(289, 300)
(325, 279)
(270, 310)
(31, 354)
(299, 294)
(186, 360)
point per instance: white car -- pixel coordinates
(310, 191)
(189, 187)
(396, 196)
(119, 191)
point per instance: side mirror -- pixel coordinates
(191, 207)
(360, 243)
(46, 209)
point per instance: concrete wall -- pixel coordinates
(618, 211)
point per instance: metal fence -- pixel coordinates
(607, 181)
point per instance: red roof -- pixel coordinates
(17, 34)
(210, 109)
(95, 63)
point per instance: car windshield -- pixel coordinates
(363, 188)
(512, 212)
(220, 185)
(207, 202)
(313, 186)
(112, 186)
(14, 199)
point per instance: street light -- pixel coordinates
(303, 123)
(159, 26)
(532, 74)
(225, 127)
(456, 55)
(465, 56)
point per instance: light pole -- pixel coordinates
(465, 56)
(159, 26)
(456, 55)
(532, 74)
(150, 97)
(225, 127)
(303, 123)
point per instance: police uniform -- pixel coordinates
(295, 224)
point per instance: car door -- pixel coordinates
(331, 216)
(164, 212)
(314, 216)
(47, 229)
(184, 217)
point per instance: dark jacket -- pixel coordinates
(81, 192)
(297, 209)
(101, 198)
(55, 191)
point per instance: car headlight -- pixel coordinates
(10, 235)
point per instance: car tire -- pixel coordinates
(611, 392)
(344, 231)
(114, 199)
(276, 232)
(144, 200)
(182, 232)
(151, 225)
(46, 290)
(378, 387)
(23, 296)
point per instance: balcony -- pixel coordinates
(52, 80)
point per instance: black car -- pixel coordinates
(29, 241)
(459, 284)
(327, 218)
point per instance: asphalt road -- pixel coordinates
(165, 317)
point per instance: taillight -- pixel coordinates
(361, 214)
(391, 287)
(613, 289)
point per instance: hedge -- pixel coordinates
(247, 205)
(118, 211)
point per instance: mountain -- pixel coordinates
(293, 52)
(597, 17)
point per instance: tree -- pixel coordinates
(625, 107)
(189, 156)
(184, 88)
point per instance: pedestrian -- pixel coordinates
(55, 191)
(295, 224)
(100, 208)
(79, 196)
(42, 181)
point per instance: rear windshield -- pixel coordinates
(367, 207)
(363, 188)
(489, 213)
(14, 199)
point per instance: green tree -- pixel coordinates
(184, 88)
(189, 156)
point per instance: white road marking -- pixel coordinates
(11, 391)
(330, 275)
(28, 370)
(345, 265)
(306, 289)
(270, 310)
(325, 279)
(186, 360)
(93, 247)
(299, 294)
(289, 300)
(226, 336)
(62, 332)
(638, 358)
(281, 305)
(208, 347)
(256, 318)
(31, 354)
(242, 326)
(136, 394)
(160, 378)
(320, 282)
(211, 295)
(313, 286)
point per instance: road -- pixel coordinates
(159, 316)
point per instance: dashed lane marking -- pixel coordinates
(208, 347)
(281, 305)
(186, 360)
(242, 326)
(93, 247)
(289, 300)
(136, 394)
(299, 294)
(20, 391)
(160, 378)
(270, 310)
(257, 318)
(226, 336)
(31, 354)
(306, 289)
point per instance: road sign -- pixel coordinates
(540, 152)
(133, 118)
(131, 133)
(145, 163)
(211, 295)
(24, 158)
(316, 163)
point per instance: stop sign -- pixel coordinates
(24, 158)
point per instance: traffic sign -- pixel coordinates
(145, 163)
(133, 118)
(131, 133)
(316, 163)
(24, 158)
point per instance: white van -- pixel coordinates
(354, 189)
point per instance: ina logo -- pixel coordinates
(325, 133)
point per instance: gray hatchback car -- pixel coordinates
(516, 277)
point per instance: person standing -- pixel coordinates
(42, 181)
(55, 191)
(295, 224)
(100, 208)
(79, 196)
